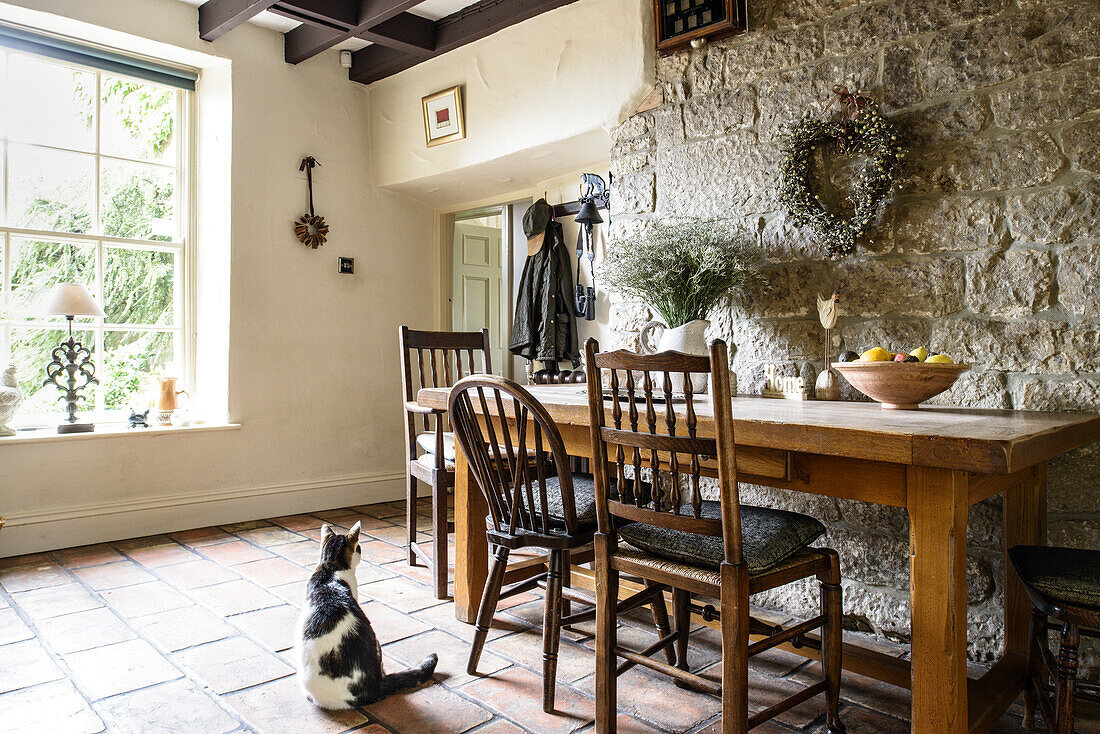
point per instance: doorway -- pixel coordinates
(480, 277)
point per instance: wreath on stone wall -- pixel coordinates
(862, 131)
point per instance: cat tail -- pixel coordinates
(397, 682)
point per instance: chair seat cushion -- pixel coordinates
(1065, 575)
(584, 498)
(768, 537)
(426, 441)
(428, 461)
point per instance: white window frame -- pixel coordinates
(183, 248)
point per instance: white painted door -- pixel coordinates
(476, 281)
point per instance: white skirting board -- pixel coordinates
(68, 527)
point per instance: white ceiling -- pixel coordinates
(433, 9)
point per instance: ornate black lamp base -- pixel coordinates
(71, 371)
(76, 428)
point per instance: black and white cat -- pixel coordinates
(339, 658)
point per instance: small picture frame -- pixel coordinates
(444, 121)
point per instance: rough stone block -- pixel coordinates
(977, 390)
(1082, 142)
(900, 79)
(1049, 98)
(705, 70)
(1035, 393)
(720, 113)
(629, 316)
(1062, 214)
(746, 61)
(1073, 479)
(1061, 33)
(633, 127)
(893, 334)
(1079, 279)
(790, 291)
(948, 224)
(633, 193)
(880, 286)
(1011, 283)
(1013, 162)
(893, 521)
(716, 178)
(624, 164)
(783, 241)
(974, 56)
(1015, 346)
(767, 341)
(793, 12)
(668, 125)
(1073, 533)
(955, 119)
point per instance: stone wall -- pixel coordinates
(989, 251)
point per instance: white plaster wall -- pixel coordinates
(313, 374)
(540, 97)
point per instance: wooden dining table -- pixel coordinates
(935, 462)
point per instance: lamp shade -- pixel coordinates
(69, 299)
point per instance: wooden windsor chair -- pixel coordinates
(517, 457)
(653, 523)
(434, 359)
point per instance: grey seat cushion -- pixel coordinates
(1067, 575)
(584, 498)
(768, 537)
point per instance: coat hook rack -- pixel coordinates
(595, 189)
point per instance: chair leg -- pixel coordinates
(439, 538)
(551, 630)
(488, 607)
(1036, 636)
(681, 617)
(832, 643)
(1066, 680)
(607, 597)
(410, 516)
(735, 650)
(566, 582)
(660, 621)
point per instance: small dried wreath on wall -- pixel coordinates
(862, 131)
(310, 229)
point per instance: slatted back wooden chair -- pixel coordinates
(650, 457)
(519, 461)
(434, 359)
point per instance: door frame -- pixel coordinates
(507, 214)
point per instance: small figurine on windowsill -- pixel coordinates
(139, 420)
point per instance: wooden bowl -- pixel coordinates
(900, 385)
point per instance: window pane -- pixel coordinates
(138, 120)
(134, 360)
(138, 201)
(56, 104)
(36, 266)
(51, 189)
(140, 286)
(31, 351)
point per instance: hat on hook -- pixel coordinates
(535, 221)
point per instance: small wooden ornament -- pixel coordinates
(310, 229)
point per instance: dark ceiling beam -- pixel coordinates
(306, 41)
(337, 15)
(406, 32)
(218, 17)
(457, 29)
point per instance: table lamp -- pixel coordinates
(72, 369)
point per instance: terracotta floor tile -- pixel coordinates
(13, 561)
(390, 625)
(443, 617)
(281, 707)
(195, 574)
(293, 594)
(53, 601)
(517, 694)
(178, 707)
(272, 572)
(145, 599)
(269, 535)
(87, 555)
(234, 552)
(366, 522)
(305, 552)
(25, 664)
(395, 535)
(335, 517)
(247, 525)
(382, 511)
(162, 554)
(232, 664)
(273, 627)
(408, 596)
(862, 721)
(377, 551)
(200, 537)
(33, 576)
(500, 726)
(234, 597)
(113, 575)
(629, 725)
(51, 708)
(574, 661)
(652, 698)
(177, 629)
(297, 523)
(124, 666)
(430, 709)
(453, 654)
(12, 628)
(368, 573)
(83, 630)
(873, 694)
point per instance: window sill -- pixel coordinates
(110, 430)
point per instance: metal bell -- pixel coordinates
(588, 214)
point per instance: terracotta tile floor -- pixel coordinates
(192, 632)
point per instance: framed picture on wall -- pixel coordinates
(443, 118)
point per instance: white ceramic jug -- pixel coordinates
(689, 339)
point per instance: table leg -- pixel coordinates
(937, 504)
(1025, 521)
(471, 547)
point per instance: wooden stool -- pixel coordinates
(1063, 584)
